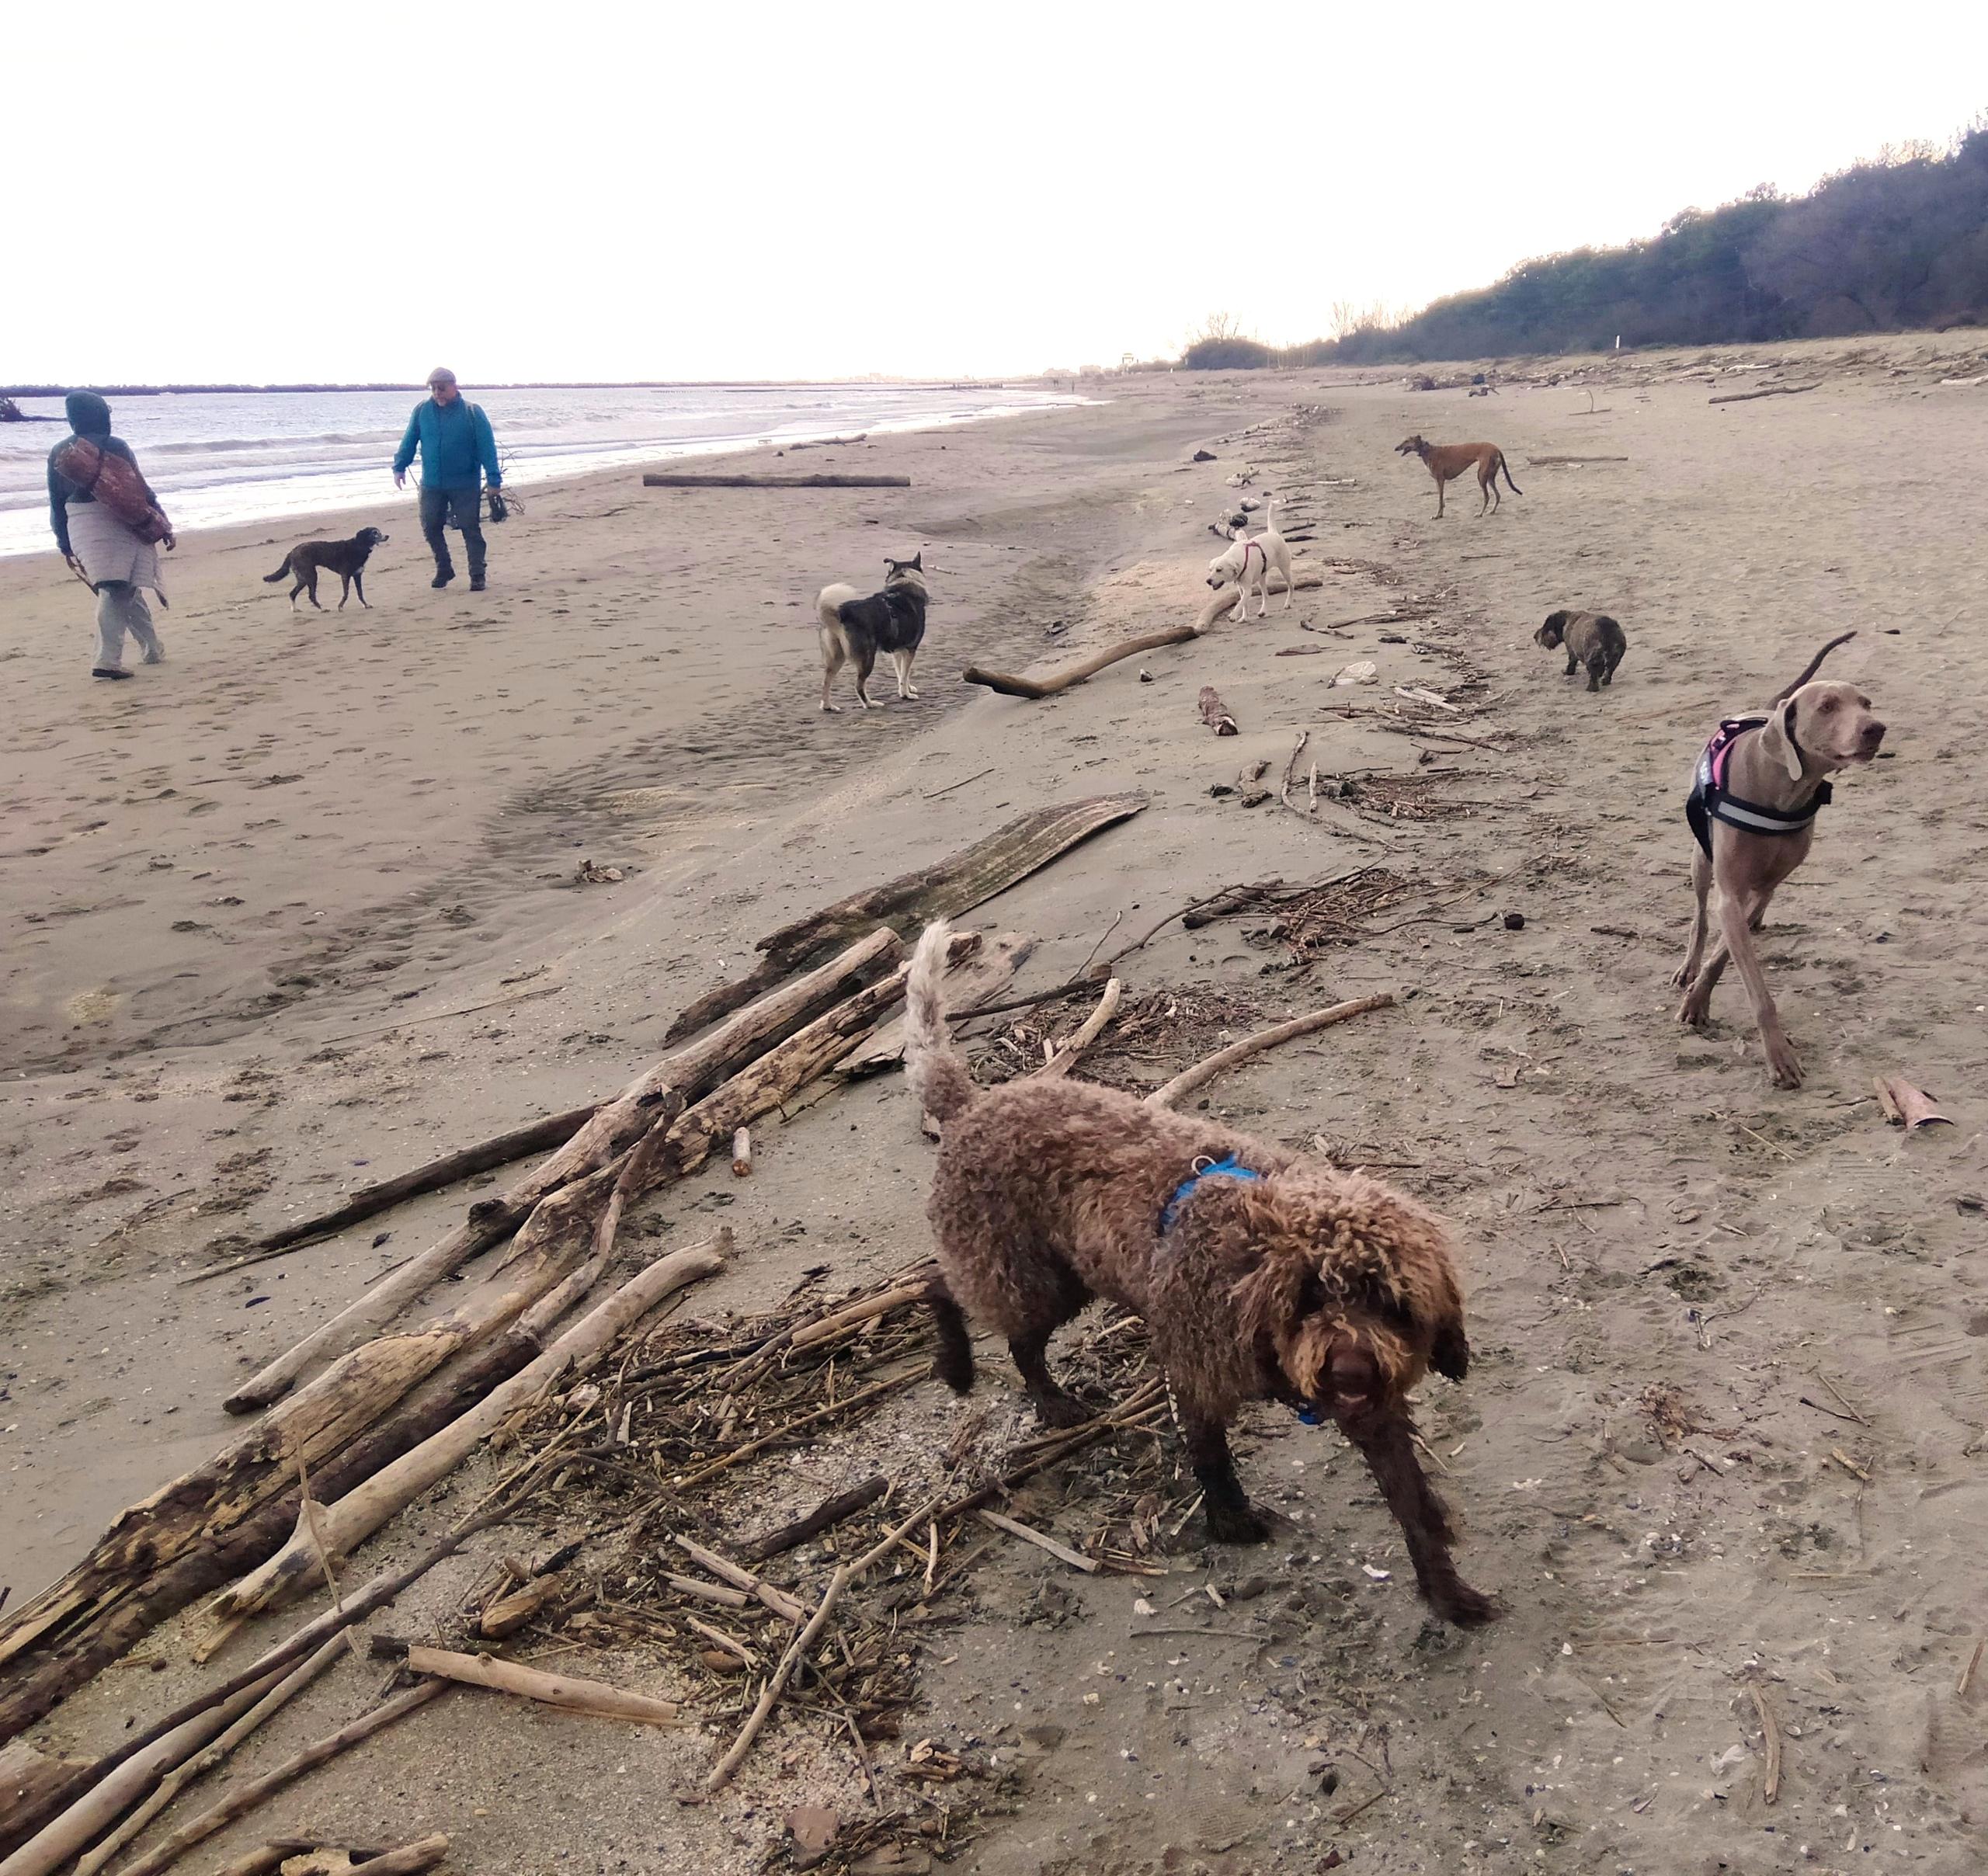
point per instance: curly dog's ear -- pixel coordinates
(1271, 1299)
(1449, 1354)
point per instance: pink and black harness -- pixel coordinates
(1709, 801)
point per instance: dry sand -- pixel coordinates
(297, 909)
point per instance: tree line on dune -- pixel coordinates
(1898, 243)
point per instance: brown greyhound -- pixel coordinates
(1446, 461)
(1753, 808)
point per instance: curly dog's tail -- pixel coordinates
(939, 1078)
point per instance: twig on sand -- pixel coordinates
(1075, 1559)
(1366, 1804)
(830, 1511)
(1849, 1406)
(1967, 1674)
(1770, 1741)
(979, 775)
(1848, 1463)
(1290, 770)
(1189, 1079)
(726, 1570)
(1065, 1057)
(720, 1774)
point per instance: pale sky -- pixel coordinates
(259, 192)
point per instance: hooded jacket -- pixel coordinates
(88, 416)
(457, 449)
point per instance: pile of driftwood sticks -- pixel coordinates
(362, 1419)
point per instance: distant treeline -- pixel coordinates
(1897, 243)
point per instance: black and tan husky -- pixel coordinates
(855, 626)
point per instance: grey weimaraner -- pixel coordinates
(1753, 810)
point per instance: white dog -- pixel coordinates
(1247, 560)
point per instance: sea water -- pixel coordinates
(218, 458)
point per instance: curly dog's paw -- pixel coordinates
(1229, 1526)
(1062, 1410)
(1466, 1607)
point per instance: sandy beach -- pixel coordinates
(309, 903)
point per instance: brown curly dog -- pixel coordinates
(1260, 1276)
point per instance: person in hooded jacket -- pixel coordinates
(115, 564)
(458, 455)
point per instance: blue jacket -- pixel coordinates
(455, 443)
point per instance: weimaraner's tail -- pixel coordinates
(1814, 665)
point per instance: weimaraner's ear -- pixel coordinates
(1777, 738)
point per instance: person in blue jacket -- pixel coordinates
(457, 454)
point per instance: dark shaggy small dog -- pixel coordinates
(856, 627)
(1260, 1276)
(346, 558)
(1593, 639)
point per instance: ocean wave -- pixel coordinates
(194, 445)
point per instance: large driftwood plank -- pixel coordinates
(944, 890)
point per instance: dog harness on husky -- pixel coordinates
(1203, 1168)
(1709, 800)
(1259, 545)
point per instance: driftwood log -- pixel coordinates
(1214, 713)
(691, 1073)
(205, 1526)
(1766, 390)
(369, 1201)
(245, 1797)
(1033, 687)
(124, 1598)
(1189, 1079)
(100, 1808)
(654, 480)
(34, 1785)
(944, 890)
(336, 1529)
(562, 1690)
(121, 1590)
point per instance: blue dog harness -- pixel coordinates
(1203, 1168)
